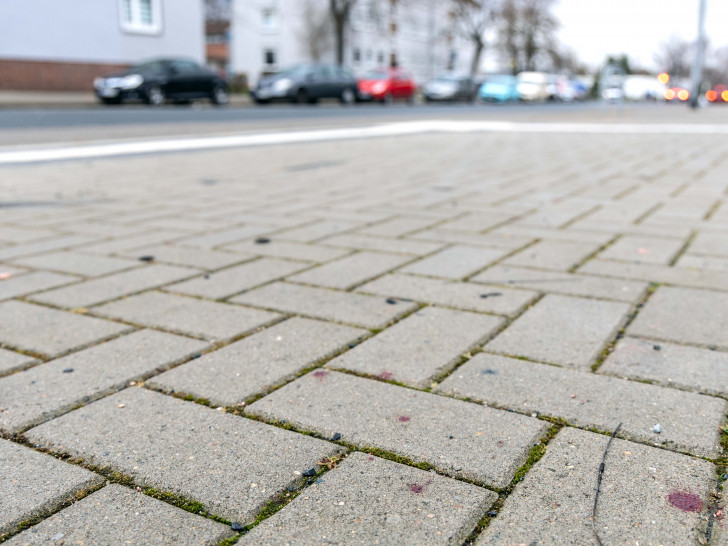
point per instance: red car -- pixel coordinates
(386, 85)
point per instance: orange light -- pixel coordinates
(663, 78)
(669, 94)
(683, 94)
(711, 95)
(724, 96)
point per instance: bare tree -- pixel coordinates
(315, 34)
(527, 33)
(675, 57)
(472, 19)
(340, 11)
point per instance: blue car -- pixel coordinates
(499, 89)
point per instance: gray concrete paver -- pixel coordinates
(455, 262)
(10, 361)
(553, 255)
(77, 263)
(233, 466)
(116, 514)
(35, 281)
(199, 258)
(368, 500)
(459, 438)
(351, 270)
(653, 250)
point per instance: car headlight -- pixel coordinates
(98, 82)
(379, 87)
(131, 81)
(281, 86)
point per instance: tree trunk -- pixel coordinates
(477, 53)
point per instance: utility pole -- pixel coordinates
(696, 73)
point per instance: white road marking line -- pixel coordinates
(377, 131)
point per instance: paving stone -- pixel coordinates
(77, 263)
(19, 235)
(44, 246)
(689, 421)
(117, 515)
(116, 246)
(648, 496)
(562, 330)
(555, 255)
(238, 278)
(11, 361)
(693, 261)
(704, 243)
(224, 237)
(34, 281)
(49, 332)
(480, 221)
(233, 466)
(32, 484)
(93, 292)
(685, 315)
(257, 363)
(564, 235)
(317, 230)
(41, 393)
(716, 280)
(191, 316)
(350, 271)
(285, 249)
(668, 364)
(491, 239)
(459, 438)
(382, 244)
(421, 347)
(368, 311)
(368, 500)
(455, 262)
(462, 295)
(199, 258)
(642, 249)
(396, 227)
(564, 283)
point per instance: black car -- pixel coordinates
(153, 82)
(307, 83)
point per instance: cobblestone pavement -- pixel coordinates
(416, 340)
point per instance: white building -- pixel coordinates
(419, 36)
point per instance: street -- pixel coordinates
(430, 324)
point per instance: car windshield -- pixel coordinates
(294, 71)
(502, 80)
(448, 79)
(376, 75)
(149, 66)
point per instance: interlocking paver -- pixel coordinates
(693, 261)
(684, 315)
(259, 362)
(231, 465)
(350, 271)
(77, 263)
(32, 484)
(563, 283)
(50, 332)
(648, 496)
(191, 316)
(653, 250)
(238, 278)
(316, 230)
(455, 262)
(10, 361)
(224, 237)
(590, 400)
(461, 295)
(53, 388)
(554, 255)
(459, 438)
(286, 249)
(119, 245)
(44, 246)
(709, 243)
(424, 345)
(669, 364)
(119, 515)
(103, 289)
(368, 311)
(381, 244)
(491, 239)
(34, 281)
(368, 500)
(396, 227)
(193, 257)
(562, 330)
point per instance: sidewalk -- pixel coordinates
(68, 99)
(406, 340)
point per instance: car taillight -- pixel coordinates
(669, 94)
(711, 95)
(683, 94)
(724, 96)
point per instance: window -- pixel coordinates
(380, 57)
(269, 18)
(356, 55)
(269, 57)
(183, 67)
(141, 16)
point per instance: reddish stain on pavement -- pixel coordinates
(386, 375)
(418, 488)
(403, 418)
(320, 374)
(687, 502)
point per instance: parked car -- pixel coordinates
(155, 81)
(534, 86)
(718, 94)
(386, 85)
(499, 88)
(307, 83)
(450, 87)
(677, 94)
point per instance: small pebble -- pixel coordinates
(68, 370)
(656, 347)
(146, 258)
(262, 241)
(491, 295)
(336, 436)
(310, 472)
(207, 276)
(391, 301)
(657, 429)
(492, 514)
(237, 526)
(121, 405)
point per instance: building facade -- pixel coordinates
(63, 45)
(419, 36)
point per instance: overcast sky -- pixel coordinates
(597, 28)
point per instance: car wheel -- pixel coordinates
(219, 95)
(348, 96)
(110, 102)
(387, 99)
(411, 100)
(301, 96)
(155, 95)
